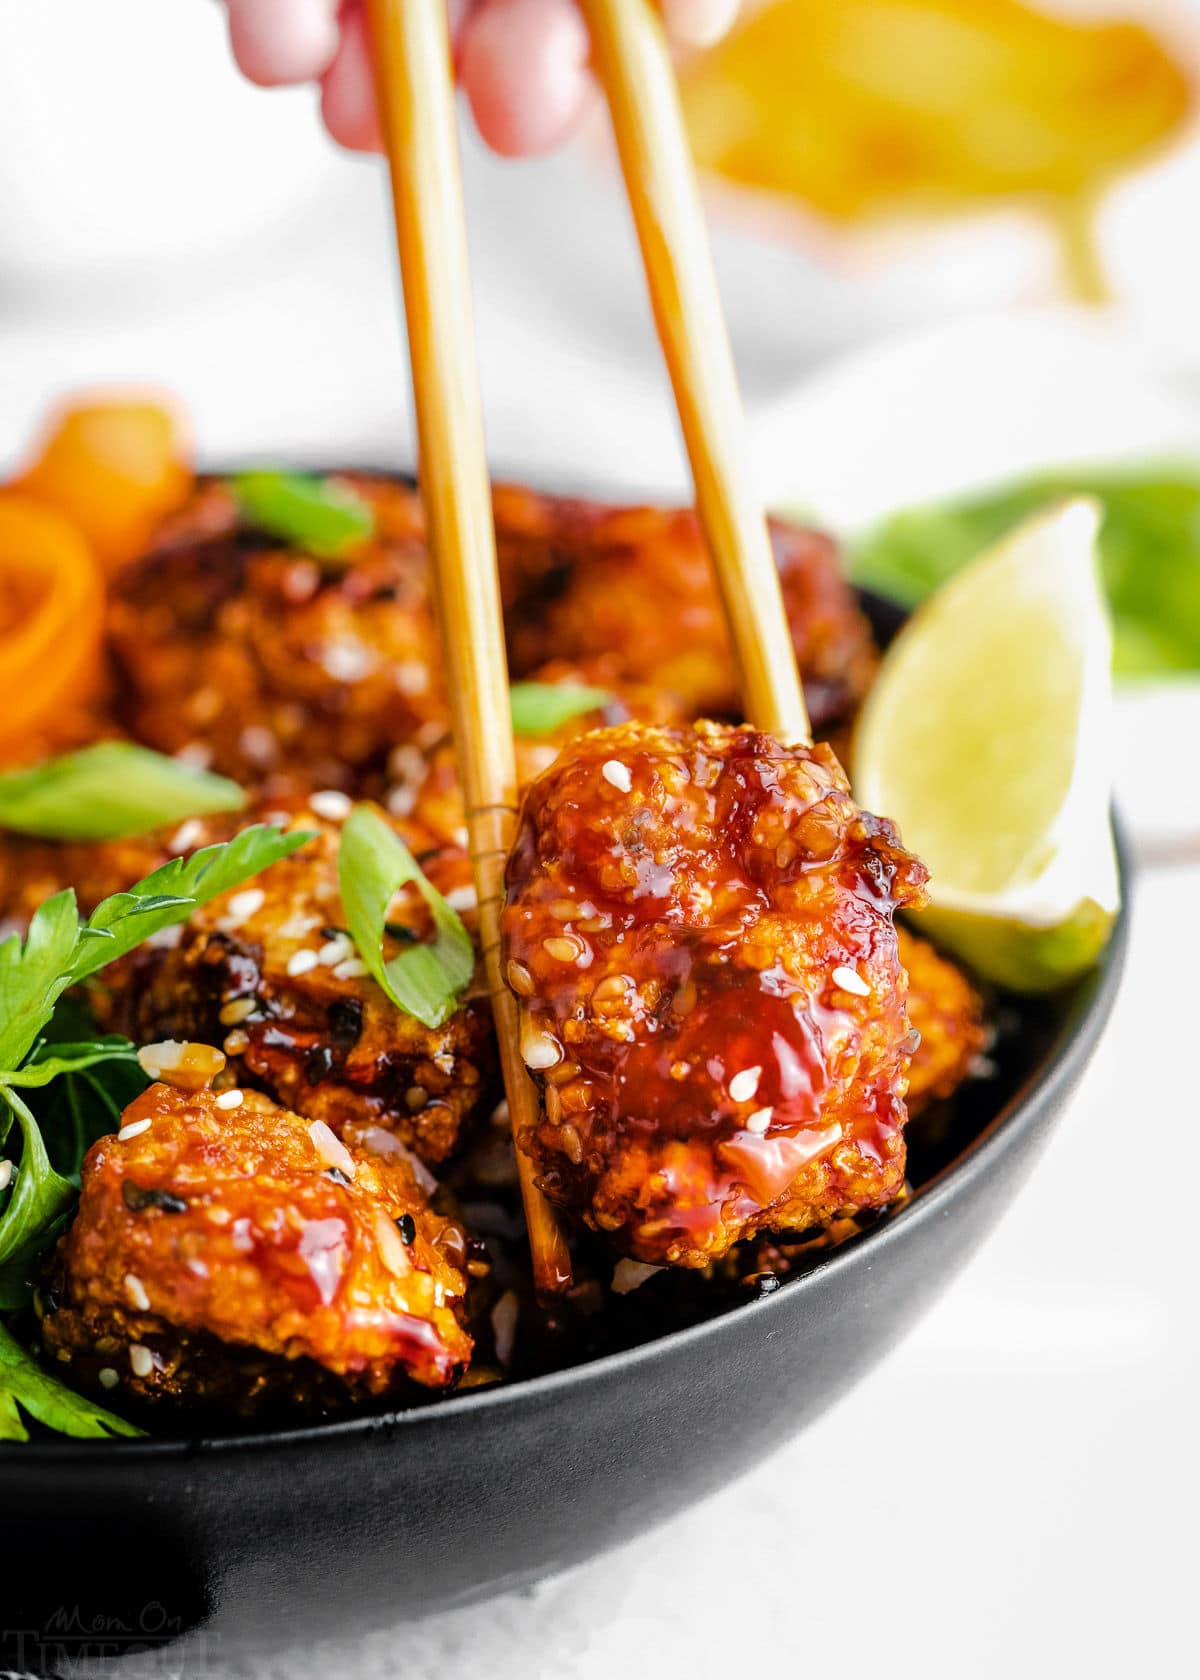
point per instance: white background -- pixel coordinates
(1031, 1506)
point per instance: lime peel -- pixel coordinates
(987, 738)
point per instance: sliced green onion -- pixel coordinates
(541, 708)
(110, 792)
(314, 513)
(373, 864)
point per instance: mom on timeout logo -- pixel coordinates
(72, 1640)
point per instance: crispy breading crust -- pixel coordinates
(211, 1221)
(947, 1011)
(636, 585)
(699, 928)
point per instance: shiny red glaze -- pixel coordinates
(695, 920)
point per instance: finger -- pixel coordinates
(523, 67)
(348, 91)
(281, 41)
(698, 23)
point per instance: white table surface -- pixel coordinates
(1033, 1513)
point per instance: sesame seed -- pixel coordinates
(108, 1378)
(134, 1129)
(759, 1120)
(141, 1360)
(463, 898)
(300, 962)
(301, 581)
(6, 1172)
(236, 1011)
(195, 753)
(539, 1050)
(519, 978)
(235, 1042)
(136, 1291)
(618, 774)
(331, 1149)
(400, 801)
(743, 1085)
(850, 981)
(504, 1325)
(352, 969)
(297, 926)
(562, 950)
(629, 1275)
(411, 677)
(166, 939)
(348, 660)
(336, 950)
(391, 1246)
(187, 835)
(331, 804)
(258, 744)
(180, 1062)
(243, 905)
(230, 1099)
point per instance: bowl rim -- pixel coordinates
(1091, 1001)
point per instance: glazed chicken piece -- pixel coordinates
(699, 928)
(426, 784)
(636, 586)
(947, 1011)
(227, 1253)
(288, 671)
(270, 973)
(269, 664)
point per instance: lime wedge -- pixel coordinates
(987, 738)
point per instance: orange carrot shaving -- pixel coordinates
(115, 469)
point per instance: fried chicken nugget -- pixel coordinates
(636, 586)
(229, 1253)
(699, 928)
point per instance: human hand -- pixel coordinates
(523, 64)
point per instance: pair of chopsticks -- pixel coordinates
(415, 94)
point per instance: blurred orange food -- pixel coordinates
(115, 469)
(862, 108)
(51, 620)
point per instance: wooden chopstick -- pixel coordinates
(415, 94)
(634, 64)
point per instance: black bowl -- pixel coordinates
(249, 1541)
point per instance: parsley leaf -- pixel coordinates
(172, 892)
(373, 864)
(38, 1198)
(31, 972)
(24, 1386)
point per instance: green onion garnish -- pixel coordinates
(541, 708)
(373, 864)
(110, 792)
(315, 514)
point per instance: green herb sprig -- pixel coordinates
(316, 514)
(110, 791)
(373, 864)
(541, 708)
(59, 950)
